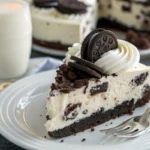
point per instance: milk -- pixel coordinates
(15, 38)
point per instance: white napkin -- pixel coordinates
(37, 65)
(45, 65)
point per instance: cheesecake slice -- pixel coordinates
(91, 89)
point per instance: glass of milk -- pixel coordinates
(15, 38)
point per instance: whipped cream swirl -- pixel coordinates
(75, 50)
(120, 59)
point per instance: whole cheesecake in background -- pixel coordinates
(60, 27)
(58, 24)
(125, 14)
(101, 79)
(139, 39)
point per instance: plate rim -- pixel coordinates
(4, 133)
(49, 51)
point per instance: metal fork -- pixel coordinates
(133, 127)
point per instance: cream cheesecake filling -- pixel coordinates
(107, 100)
(120, 59)
(48, 24)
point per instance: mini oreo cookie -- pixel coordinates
(84, 69)
(72, 7)
(45, 3)
(100, 44)
(86, 42)
(86, 63)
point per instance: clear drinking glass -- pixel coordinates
(15, 38)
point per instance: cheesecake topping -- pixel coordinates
(71, 7)
(45, 3)
(120, 59)
(102, 53)
(64, 6)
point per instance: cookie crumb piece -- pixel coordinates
(61, 141)
(83, 140)
(92, 129)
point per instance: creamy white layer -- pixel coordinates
(120, 59)
(133, 18)
(108, 100)
(53, 26)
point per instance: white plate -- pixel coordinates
(48, 51)
(22, 118)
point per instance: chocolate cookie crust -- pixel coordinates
(102, 116)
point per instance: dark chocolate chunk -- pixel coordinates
(86, 63)
(71, 107)
(71, 76)
(114, 75)
(126, 8)
(71, 111)
(48, 117)
(85, 89)
(66, 77)
(65, 90)
(80, 83)
(45, 3)
(83, 140)
(146, 22)
(146, 89)
(99, 88)
(85, 69)
(100, 44)
(85, 112)
(138, 17)
(61, 141)
(92, 129)
(65, 68)
(109, 6)
(60, 79)
(138, 80)
(59, 72)
(54, 86)
(72, 7)
(86, 42)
